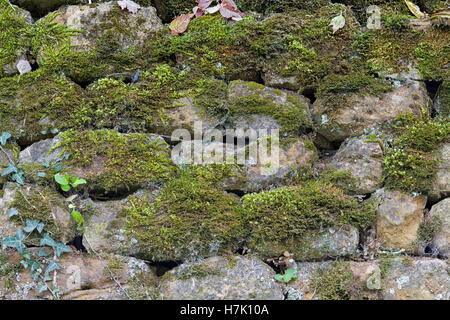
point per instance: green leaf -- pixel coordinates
(60, 248)
(47, 241)
(65, 187)
(57, 168)
(52, 266)
(10, 169)
(41, 174)
(15, 241)
(77, 216)
(62, 179)
(4, 137)
(12, 212)
(33, 224)
(278, 277)
(76, 182)
(42, 287)
(18, 177)
(42, 253)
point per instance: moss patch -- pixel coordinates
(191, 217)
(410, 164)
(114, 162)
(335, 283)
(284, 217)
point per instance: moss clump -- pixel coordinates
(198, 271)
(19, 38)
(410, 164)
(136, 107)
(267, 6)
(211, 47)
(112, 162)
(40, 203)
(396, 45)
(191, 217)
(335, 283)
(288, 214)
(36, 105)
(443, 106)
(428, 229)
(293, 115)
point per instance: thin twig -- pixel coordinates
(7, 156)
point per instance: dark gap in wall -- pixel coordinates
(162, 267)
(77, 242)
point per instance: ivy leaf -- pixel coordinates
(278, 277)
(42, 253)
(61, 248)
(12, 212)
(4, 137)
(415, 10)
(47, 241)
(11, 168)
(42, 287)
(41, 174)
(180, 23)
(57, 168)
(15, 241)
(23, 66)
(131, 6)
(18, 177)
(52, 266)
(337, 23)
(33, 224)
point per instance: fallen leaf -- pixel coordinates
(415, 9)
(203, 4)
(180, 23)
(23, 66)
(214, 9)
(337, 22)
(229, 9)
(441, 16)
(132, 6)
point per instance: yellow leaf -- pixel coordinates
(415, 9)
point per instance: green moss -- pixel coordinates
(36, 105)
(293, 115)
(126, 160)
(267, 6)
(18, 37)
(169, 9)
(198, 271)
(410, 164)
(8, 272)
(39, 204)
(444, 99)
(191, 216)
(334, 283)
(428, 229)
(283, 217)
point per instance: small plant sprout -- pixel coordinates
(289, 274)
(66, 182)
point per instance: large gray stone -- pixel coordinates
(221, 278)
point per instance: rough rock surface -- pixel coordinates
(417, 279)
(441, 182)
(224, 278)
(364, 112)
(364, 161)
(35, 202)
(94, 20)
(441, 239)
(85, 277)
(398, 218)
